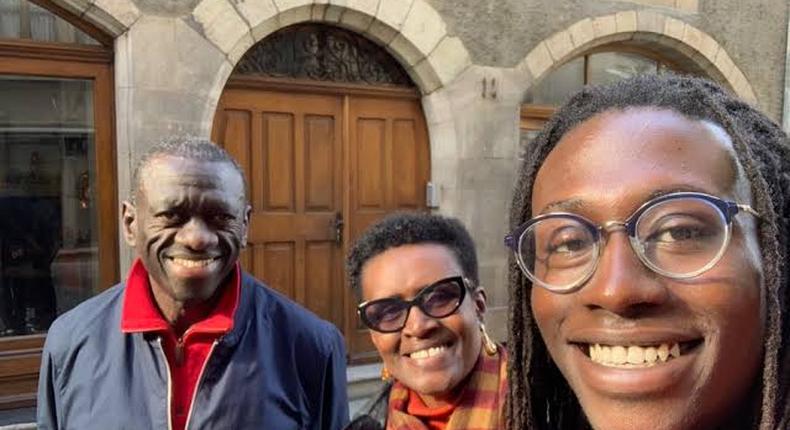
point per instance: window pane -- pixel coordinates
(48, 219)
(21, 19)
(558, 85)
(9, 18)
(608, 67)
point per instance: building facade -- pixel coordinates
(338, 110)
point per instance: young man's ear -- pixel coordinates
(129, 220)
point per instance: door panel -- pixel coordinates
(388, 148)
(290, 149)
(308, 159)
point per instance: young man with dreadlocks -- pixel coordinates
(649, 287)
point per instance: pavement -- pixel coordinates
(18, 419)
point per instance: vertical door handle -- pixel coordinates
(338, 225)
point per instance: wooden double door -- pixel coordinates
(323, 162)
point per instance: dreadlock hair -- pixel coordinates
(410, 228)
(539, 397)
(189, 147)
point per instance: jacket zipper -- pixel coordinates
(197, 387)
(169, 386)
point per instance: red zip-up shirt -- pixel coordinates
(186, 356)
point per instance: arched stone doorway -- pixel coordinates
(330, 132)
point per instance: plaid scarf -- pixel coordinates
(481, 405)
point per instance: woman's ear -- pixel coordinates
(479, 296)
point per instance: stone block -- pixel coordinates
(693, 38)
(334, 12)
(241, 47)
(582, 32)
(255, 11)
(625, 21)
(423, 27)
(708, 47)
(425, 77)
(405, 51)
(213, 96)
(687, 5)
(723, 62)
(76, 7)
(539, 61)
(674, 28)
(604, 26)
(394, 12)
(123, 11)
(123, 64)
(560, 45)
(104, 20)
(444, 171)
(221, 23)
(381, 33)
(355, 20)
(167, 54)
(367, 7)
(740, 84)
(265, 28)
(283, 5)
(318, 11)
(449, 59)
(650, 22)
(437, 108)
(295, 15)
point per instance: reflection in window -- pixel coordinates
(555, 87)
(610, 67)
(21, 19)
(48, 225)
(597, 68)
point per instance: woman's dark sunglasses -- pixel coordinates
(437, 300)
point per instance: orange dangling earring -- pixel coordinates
(488, 345)
(385, 374)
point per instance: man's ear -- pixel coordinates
(247, 213)
(129, 220)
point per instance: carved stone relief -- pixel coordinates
(322, 53)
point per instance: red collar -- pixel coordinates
(141, 314)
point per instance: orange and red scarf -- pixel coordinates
(480, 406)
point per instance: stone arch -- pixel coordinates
(113, 17)
(669, 36)
(411, 31)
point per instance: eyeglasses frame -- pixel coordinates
(728, 209)
(465, 283)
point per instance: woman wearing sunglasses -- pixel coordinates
(416, 277)
(650, 285)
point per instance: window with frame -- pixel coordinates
(598, 67)
(58, 223)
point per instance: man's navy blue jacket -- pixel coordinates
(279, 368)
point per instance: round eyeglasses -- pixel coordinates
(678, 235)
(438, 300)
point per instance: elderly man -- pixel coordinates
(189, 341)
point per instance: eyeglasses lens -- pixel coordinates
(681, 236)
(441, 299)
(386, 315)
(437, 301)
(559, 251)
(676, 237)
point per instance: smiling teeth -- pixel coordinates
(633, 356)
(429, 352)
(192, 263)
